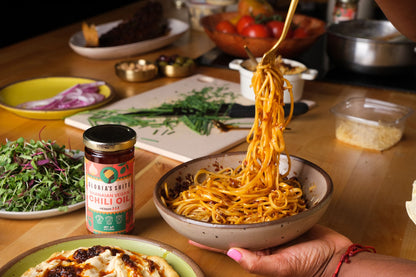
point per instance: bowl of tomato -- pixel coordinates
(230, 31)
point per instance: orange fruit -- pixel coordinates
(254, 7)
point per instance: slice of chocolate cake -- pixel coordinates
(148, 22)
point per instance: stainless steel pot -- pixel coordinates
(370, 46)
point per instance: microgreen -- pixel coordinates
(39, 175)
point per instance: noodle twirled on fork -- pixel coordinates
(255, 191)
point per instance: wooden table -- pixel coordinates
(370, 187)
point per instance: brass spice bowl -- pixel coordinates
(136, 70)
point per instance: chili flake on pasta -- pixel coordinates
(256, 191)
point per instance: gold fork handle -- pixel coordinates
(271, 53)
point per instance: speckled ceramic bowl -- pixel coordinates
(317, 188)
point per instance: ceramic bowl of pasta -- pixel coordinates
(207, 201)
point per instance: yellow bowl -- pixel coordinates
(42, 88)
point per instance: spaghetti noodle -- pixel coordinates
(255, 191)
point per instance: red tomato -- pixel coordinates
(226, 26)
(277, 27)
(243, 22)
(257, 31)
(300, 33)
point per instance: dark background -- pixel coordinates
(21, 20)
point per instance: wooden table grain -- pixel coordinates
(371, 187)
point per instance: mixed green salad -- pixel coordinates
(39, 175)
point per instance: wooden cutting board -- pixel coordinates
(179, 143)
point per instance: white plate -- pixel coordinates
(45, 213)
(41, 214)
(411, 205)
(77, 42)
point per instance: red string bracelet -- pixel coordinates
(351, 251)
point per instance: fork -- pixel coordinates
(271, 55)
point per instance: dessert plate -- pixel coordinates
(77, 42)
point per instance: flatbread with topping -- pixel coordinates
(98, 261)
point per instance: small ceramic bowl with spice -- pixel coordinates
(176, 65)
(136, 70)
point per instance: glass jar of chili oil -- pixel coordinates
(109, 179)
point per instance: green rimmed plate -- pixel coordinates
(42, 88)
(184, 265)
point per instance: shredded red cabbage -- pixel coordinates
(80, 95)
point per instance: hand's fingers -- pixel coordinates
(258, 263)
(206, 247)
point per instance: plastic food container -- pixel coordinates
(296, 80)
(198, 9)
(370, 123)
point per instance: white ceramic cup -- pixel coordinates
(296, 80)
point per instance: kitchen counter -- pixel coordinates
(370, 187)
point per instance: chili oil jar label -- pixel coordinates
(109, 179)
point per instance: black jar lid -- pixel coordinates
(109, 137)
